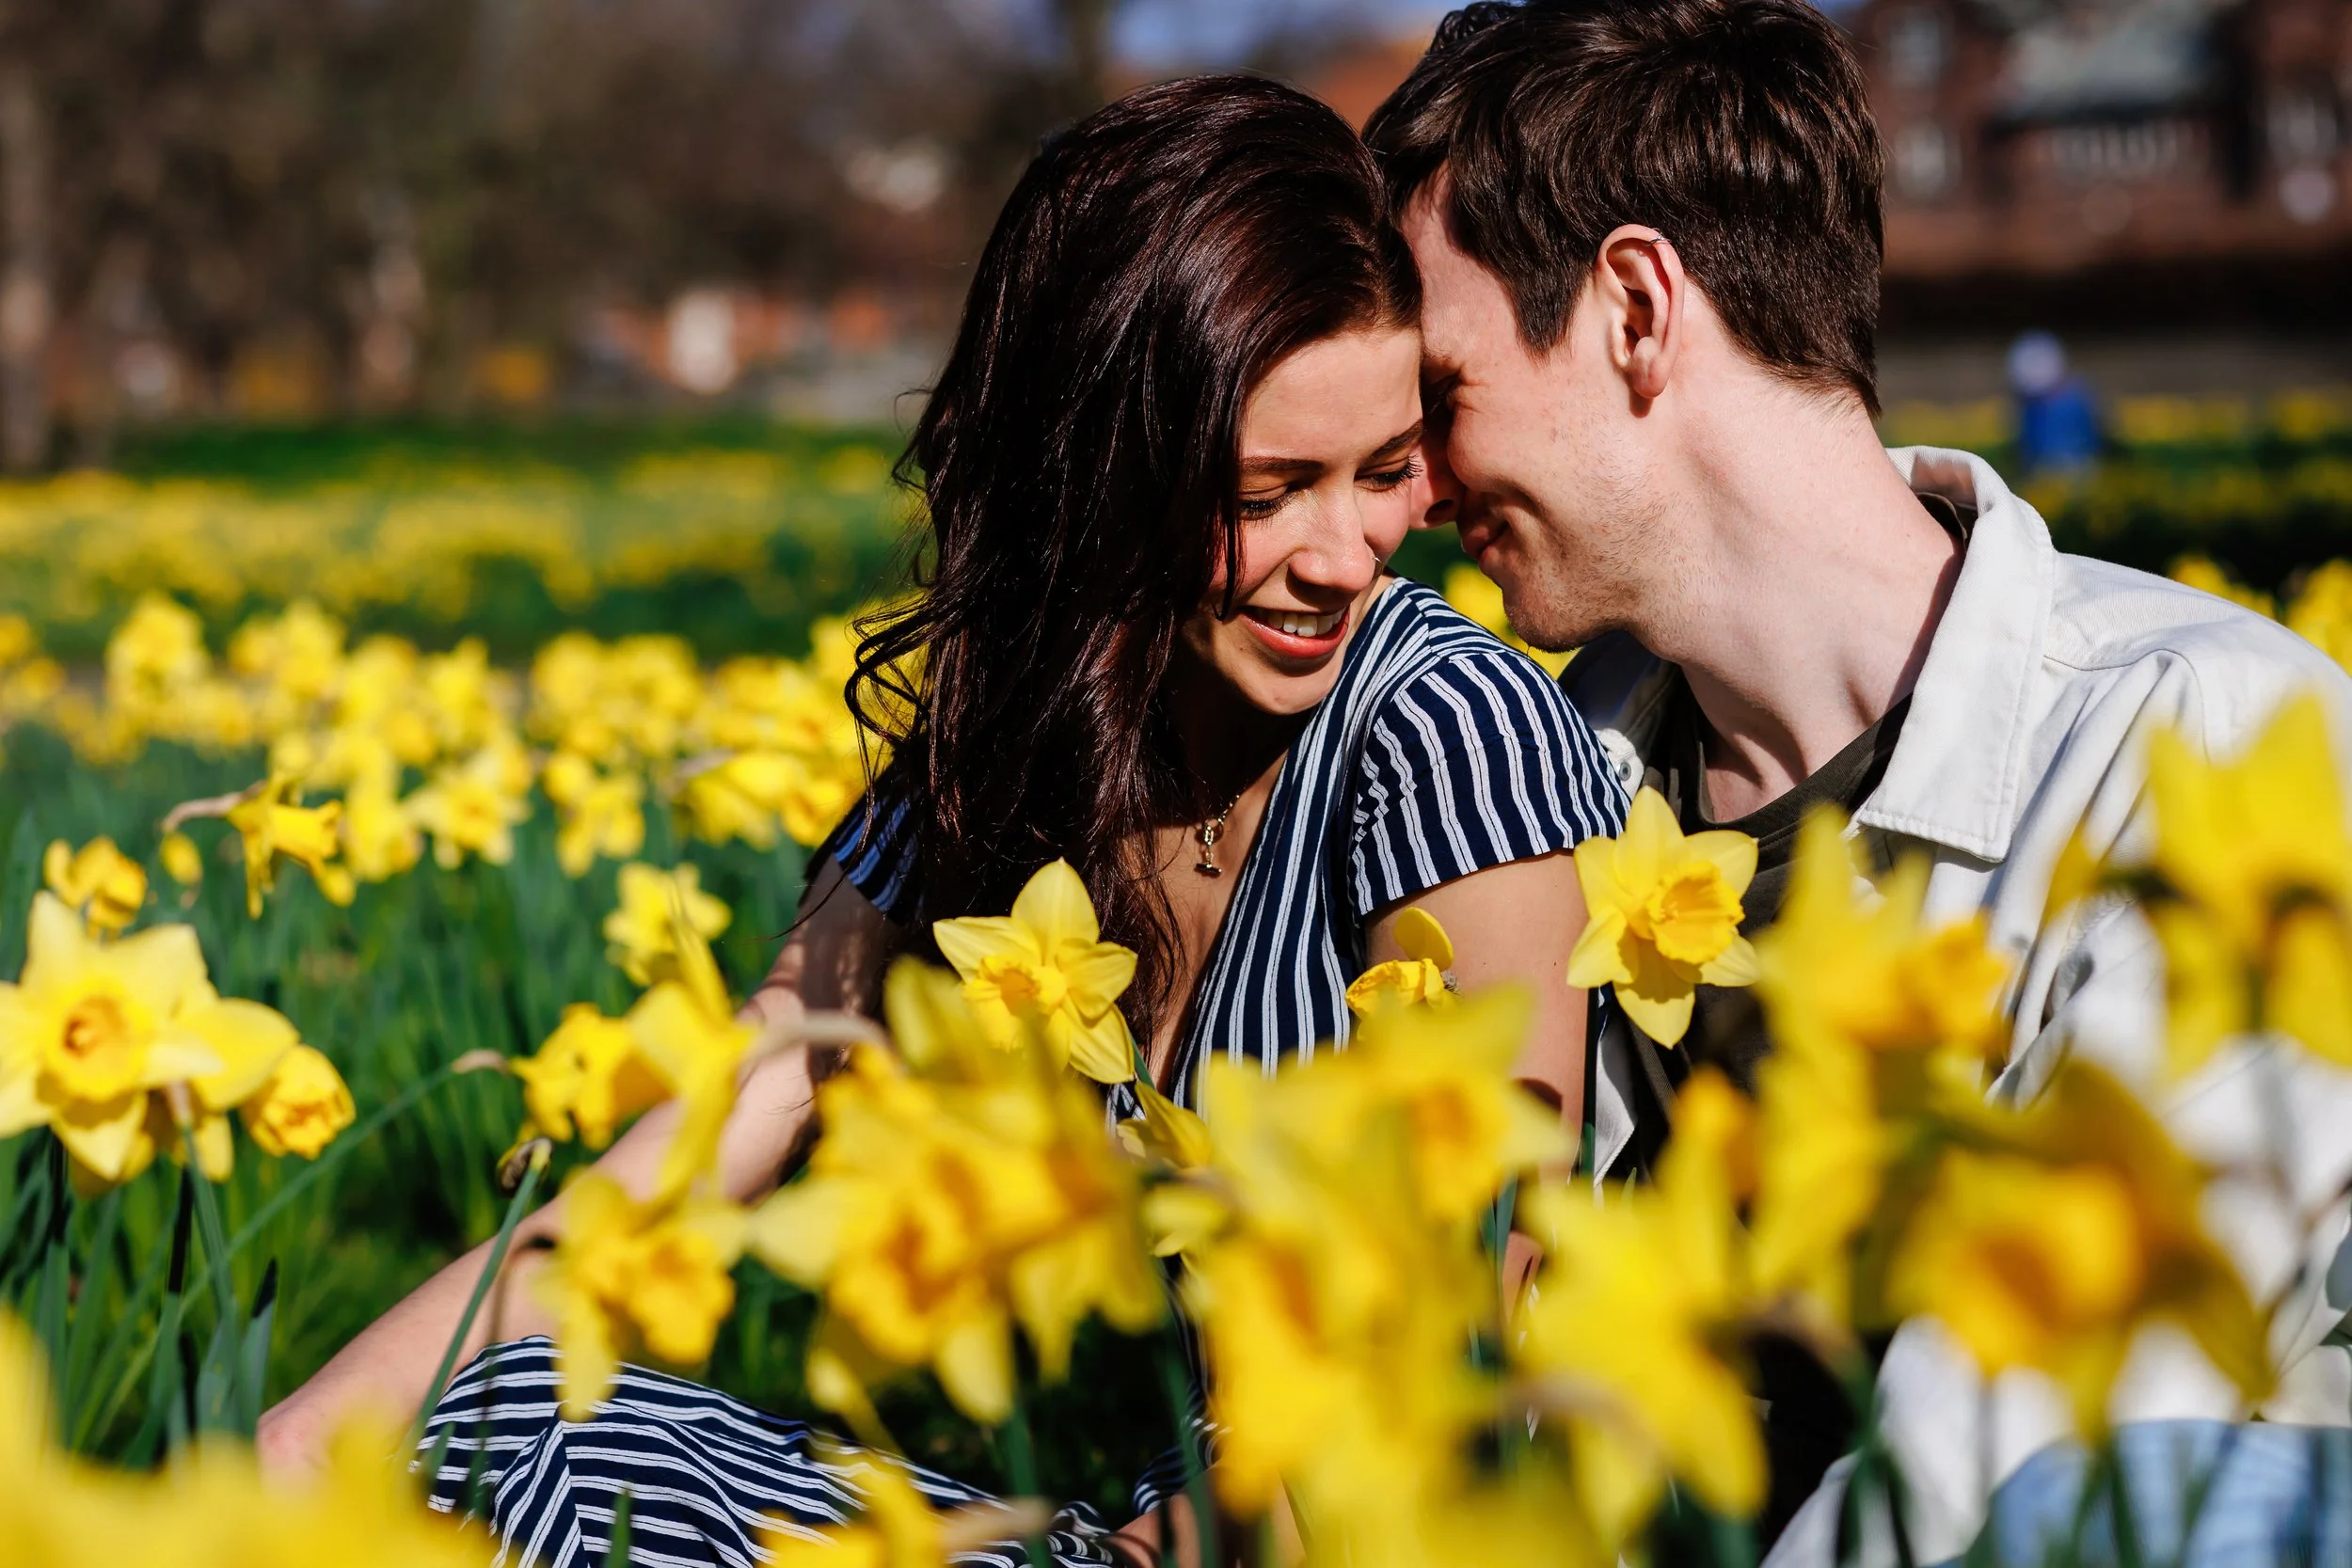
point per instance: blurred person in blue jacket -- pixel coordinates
(2057, 420)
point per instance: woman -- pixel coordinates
(1178, 439)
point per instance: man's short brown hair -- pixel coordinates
(1739, 128)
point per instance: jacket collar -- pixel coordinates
(1957, 775)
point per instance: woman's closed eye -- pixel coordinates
(1384, 478)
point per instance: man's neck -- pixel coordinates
(1815, 592)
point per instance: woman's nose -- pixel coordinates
(1342, 556)
(1438, 492)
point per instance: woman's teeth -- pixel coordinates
(1303, 626)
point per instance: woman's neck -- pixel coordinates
(1225, 742)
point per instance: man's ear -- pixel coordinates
(1644, 298)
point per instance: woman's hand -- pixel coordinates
(832, 960)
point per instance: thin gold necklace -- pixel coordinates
(1208, 833)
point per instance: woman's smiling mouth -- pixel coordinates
(1297, 633)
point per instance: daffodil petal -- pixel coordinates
(1056, 906)
(1735, 965)
(968, 941)
(1597, 958)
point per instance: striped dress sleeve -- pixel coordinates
(875, 845)
(1476, 761)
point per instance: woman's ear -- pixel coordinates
(1644, 294)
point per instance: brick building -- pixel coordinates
(2124, 152)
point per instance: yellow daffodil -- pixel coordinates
(181, 860)
(2053, 1235)
(302, 1107)
(1421, 977)
(689, 1035)
(642, 933)
(89, 1030)
(211, 1504)
(2255, 855)
(253, 1044)
(1045, 967)
(1334, 1308)
(1846, 963)
(1665, 917)
(588, 1072)
(934, 1215)
(1166, 1131)
(470, 808)
(608, 819)
(380, 838)
(1449, 1071)
(1635, 1302)
(275, 826)
(628, 1277)
(101, 883)
(1877, 1018)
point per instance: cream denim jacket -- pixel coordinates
(2031, 713)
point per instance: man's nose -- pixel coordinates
(1439, 491)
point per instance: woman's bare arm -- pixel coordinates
(1517, 922)
(832, 961)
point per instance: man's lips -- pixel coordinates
(1297, 634)
(1478, 536)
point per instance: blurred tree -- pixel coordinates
(225, 201)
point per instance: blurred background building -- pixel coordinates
(295, 209)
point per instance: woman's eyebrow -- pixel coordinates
(1258, 466)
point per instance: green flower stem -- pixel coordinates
(1176, 1381)
(208, 1224)
(1020, 1452)
(517, 1208)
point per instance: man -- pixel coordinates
(1649, 236)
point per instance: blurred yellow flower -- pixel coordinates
(252, 1043)
(302, 1107)
(2056, 1233)
(212, 1505)
(2256, 855)
(1876, 1016)
(1665, 915)
(932, 1216)
(273, 826)
(606, 818)
(470, 808)
(1420, 977)
(1166, 1131)
(1045, 967)
(89, 1029)
(1335, 1309)
(100, 882)
(182, 862)
(1470, 1127)
(643, 932)
(380, 839)
(588, 1072)
(1638, 1297)
(628, 1277)
(2203, 573)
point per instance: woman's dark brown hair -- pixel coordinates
(1079, 461)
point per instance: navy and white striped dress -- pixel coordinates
(1439, 753)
